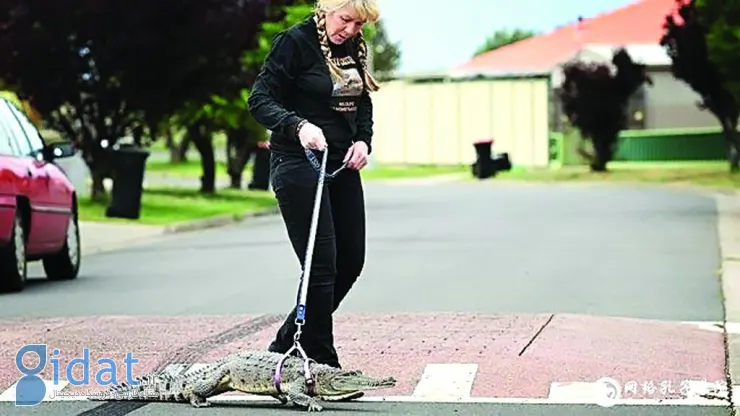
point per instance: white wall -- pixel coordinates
(670, 103)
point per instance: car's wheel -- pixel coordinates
(13, 263)
(65, 264)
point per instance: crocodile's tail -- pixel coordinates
(151, 387)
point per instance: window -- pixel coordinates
(5, 147)
(8, 145)
(14, 131)
(34, 138)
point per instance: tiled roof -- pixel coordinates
(638, 23)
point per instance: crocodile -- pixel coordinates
(250, 372)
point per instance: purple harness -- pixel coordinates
(310, 383)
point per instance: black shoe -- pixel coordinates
(273, 348)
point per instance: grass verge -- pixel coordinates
(714, 175)
(166, 206)
(410, 171)
(192, 169)
(189, 169)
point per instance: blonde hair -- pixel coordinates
(367, 10)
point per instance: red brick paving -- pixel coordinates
(570, 348)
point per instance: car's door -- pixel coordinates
(35, 185)
(57, 195)
(12, 179)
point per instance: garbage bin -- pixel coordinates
(128, 168)
(260, 170)
(486, 165)
(483, 168)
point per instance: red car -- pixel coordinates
(38, 204)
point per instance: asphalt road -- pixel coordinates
(608, 271)
(643, 253)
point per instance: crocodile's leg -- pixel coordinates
(209, 384)
(297, 394)
(283, 398)
(198, 401)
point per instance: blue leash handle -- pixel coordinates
(317, 165)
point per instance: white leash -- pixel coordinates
(303, 290)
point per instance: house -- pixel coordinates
(638, 27)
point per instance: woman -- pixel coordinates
(313, 93)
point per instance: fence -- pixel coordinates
(437, 122)
(657, 145)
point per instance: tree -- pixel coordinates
(386, 55)
(595, 100)
(228, 112)
(502, 38)
(703, 49)
(102, 71)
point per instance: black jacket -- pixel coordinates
(295, 84)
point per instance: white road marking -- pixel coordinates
(487, 400)
(608, 392)
(442, 383)
(243, 398)
(578, 390)
(446, 381)
(732, 327)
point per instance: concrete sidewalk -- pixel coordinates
(98, 237)
(728, 228)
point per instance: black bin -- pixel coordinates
(487, 165)
(129, 164)
(260, 170)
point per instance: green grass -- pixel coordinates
(189, 169)
(219, 141)
(714, 175)
(192, 169)
(410, 171)
(165, 206)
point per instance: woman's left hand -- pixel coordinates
(357, 156)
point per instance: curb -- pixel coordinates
(121, 245)
(728, 224)
(178, 228)
(683, 186)
(216, 222)
(420, 180)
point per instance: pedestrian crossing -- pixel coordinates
(453, 383)
(454, 359)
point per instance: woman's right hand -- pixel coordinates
(312, 137)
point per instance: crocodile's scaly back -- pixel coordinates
(249, 372)
(160, 386)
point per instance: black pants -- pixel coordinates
(339, 250)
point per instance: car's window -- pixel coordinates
(6, 149)
(8, 144)
(34, 138)
(14, 130)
